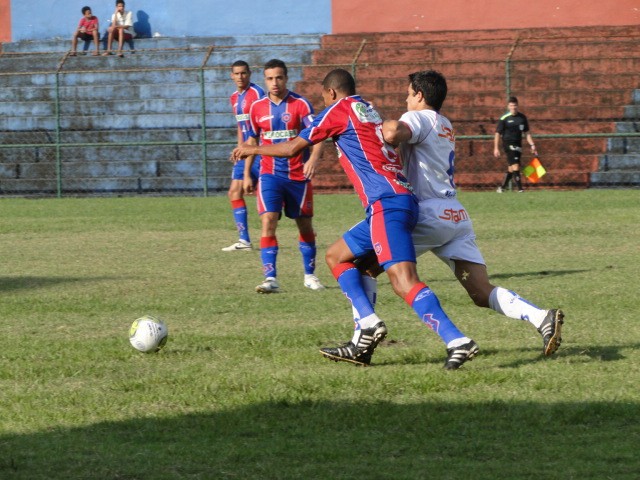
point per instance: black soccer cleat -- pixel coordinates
(347, 353)
(456, 356)
(551, 331)
(361, 353)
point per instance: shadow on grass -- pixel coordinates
(541, 273)
(8, 284)
(373, 440)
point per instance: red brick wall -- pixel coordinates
(5, 21)
(355, 16)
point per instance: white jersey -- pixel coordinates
(444, 227)
(429, 155)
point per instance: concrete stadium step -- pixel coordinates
(624, 145)
(546, 146)
(118, 107)
(118, 136)
(141, 60)
(538, 81)
(88, 154)
(620, 162)
(92, 92)
(539, 114)
(115, 186)
(596, 33)
(103, 122)
(491, 180)
(626, 126)
(267, 40)
(428, 52)
(496, 100)
(148, 168)
(614, 179)
(481, 163)
(578, 49)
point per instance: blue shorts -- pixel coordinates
(386, 230)
(238, 170)
(275, 192)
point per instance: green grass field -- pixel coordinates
(241, 392)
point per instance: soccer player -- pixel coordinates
(283, 182)
(510, 127)
(241, 100)
(374, 169)
(427, 148)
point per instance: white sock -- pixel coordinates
(457, 342)
(370, 285)
(512, 305)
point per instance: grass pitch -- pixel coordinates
(241, 392)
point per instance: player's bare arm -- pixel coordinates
(247, 181)
(395, 132)
(496, 145)
(531, 144)
(232, 159)
(284, 149)
(310, 165)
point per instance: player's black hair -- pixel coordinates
(432, 85)
(84, 9)
(241, 63)
(275, 63)
(120, 1)
(341, 81)
(513, 100)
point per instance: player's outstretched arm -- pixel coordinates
(284, 149)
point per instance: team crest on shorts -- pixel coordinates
(377, 248)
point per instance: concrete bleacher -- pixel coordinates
(132, 124)
(571, 81)
(135, 124)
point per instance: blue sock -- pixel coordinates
(308, 251)
(427, 306)
(239, 209)
(350, 282)
(269, 254)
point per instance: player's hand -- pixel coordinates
(243, 151)
(247, 184)
(309, 169)
(534, 150)
(496, 152)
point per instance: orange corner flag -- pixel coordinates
(534, 171)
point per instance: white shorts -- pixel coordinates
(445, 229)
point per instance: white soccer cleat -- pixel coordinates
(312, 282)
(239, 245)
(270, 285)
(499, 190)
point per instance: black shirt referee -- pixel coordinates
(511, 126)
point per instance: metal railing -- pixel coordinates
(208, 168)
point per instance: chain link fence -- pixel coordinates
(158, 121)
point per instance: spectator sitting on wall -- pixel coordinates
(87, 30)
(121, 26)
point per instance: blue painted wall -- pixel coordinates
(44, 19)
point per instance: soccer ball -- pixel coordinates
(148, 334)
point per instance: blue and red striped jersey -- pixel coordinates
(241, 103)
(371, 164)
(275, 123)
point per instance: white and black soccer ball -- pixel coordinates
(148, 334)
